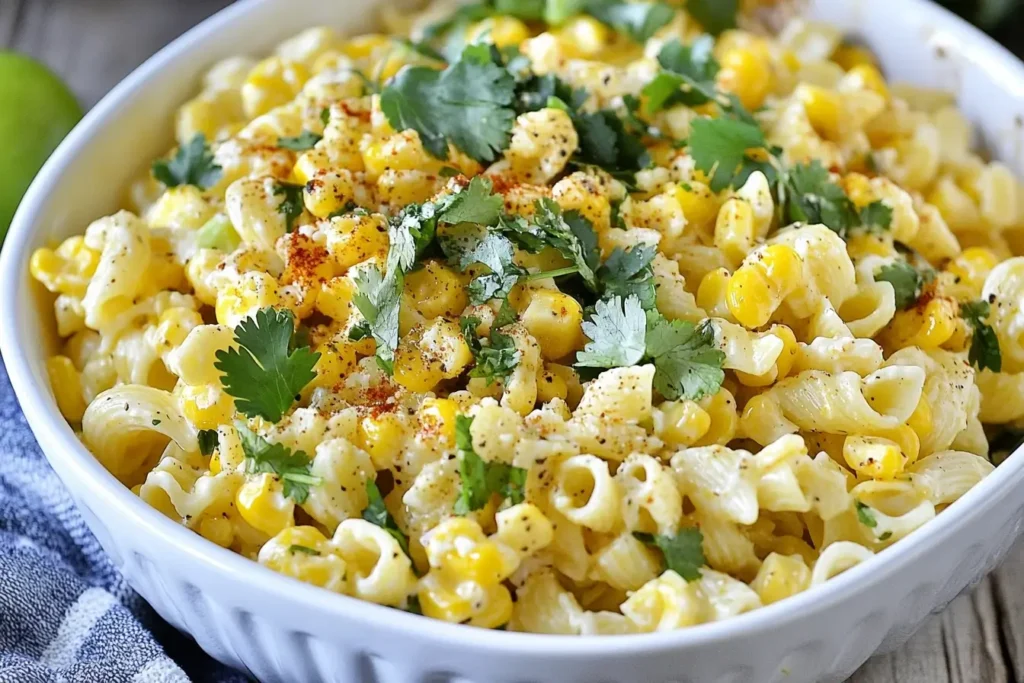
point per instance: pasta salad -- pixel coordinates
(560, 316)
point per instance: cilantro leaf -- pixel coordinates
(467, 245)
(865, 515)
(208, 440)
(477, 203)
(376, 513)
(605, 142)
(378, 299)
(569, 233)
(469, 104)
(264, 375)
(481, 479)
(686, 361)
(291, 205)
(495, 360)
(536, 92)
(629, 273)
(683, 553)
(715, 16)
(877, 214)
(638, 20)
(719, 147)
(304, 549)
(813, 198)
(617, 332)
(985, 351)
(906, 281)
(693, 66)
(193, 164)
(261, 456)
(300, 143)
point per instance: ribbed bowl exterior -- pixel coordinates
(281, 630)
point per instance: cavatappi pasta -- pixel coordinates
(599, 321)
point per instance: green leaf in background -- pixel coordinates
(36, 111)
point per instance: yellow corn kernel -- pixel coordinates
(789, 350)
(907, 439)
(929, 327)
(435, 290)
(850, 56)
(781, 576)
(310, 163)
(442, 603)
(747, 73)
(336, 298)
(271, 83)
(303, 553)
(502, 31)
(721, 408)
(206, 406)
(681, 423)
(361, 47)
(400, 152)
(869, 244)
(67, 269)
(437, 417)
(870, 78)
(823, 109)
(211, 113)
(700, 205)
(383, 436)
(430, 354)
(571, 379)
(66, 384)
(328, 192)
(415, 370)
(873, 456)
(483, 564)
(971, 268)
(217, 530)
(336, 362)
(216, 467)
(757, 289)
(735, 229)
(711, 293)
(263, 505)
(555, 320)
(353, 239)
(584, 37)
(240, 299)
(921, 419)
(550, 386)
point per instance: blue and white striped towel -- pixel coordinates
(66, 614)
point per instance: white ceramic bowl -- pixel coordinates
(282, 630)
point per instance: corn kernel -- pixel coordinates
(335, 363)
(823, 109)
(328, 192)
(502, 31)
(263, 505)
(757, 289)
(700, 205)
(555, 321)
(584, 37)
(435, 290)
(66, 384)
(735, 229)
(271, 83)
(66, 270)
(353, 239)
(681, 423)
(383, 437)
(971, 268)
(851, 56)
(928, 328)
(316, 563)
(873, 456)
(711, 293)
(781, 576)
(437, 417)
(921, 419)
(206, 406)
(747, 73)
(870, 78)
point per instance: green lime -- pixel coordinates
(36, 111)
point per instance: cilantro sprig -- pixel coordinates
(265, 373)
(638, 20)
(291, 206)
(865, 515)
(303, 141)
(494, 360)
(715, 16)
(468, 104)
(208, 440)
(687, 75)
(377, 513)
(629, 273)
(378, 299)
(906, 280)
(686, 361)
(985, 351)
(810, 196)
(729, 150)
(481, 479)
(683, 552)
(193, 164)
(293, 469)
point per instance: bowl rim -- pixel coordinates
(69, 457)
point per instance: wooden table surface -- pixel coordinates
(93, 44)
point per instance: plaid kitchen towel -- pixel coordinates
(66, 614)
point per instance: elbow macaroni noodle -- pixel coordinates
(845, 421)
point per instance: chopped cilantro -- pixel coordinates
(325, 115)
(605, 142)
(569, 233)
(886, 536)
(683, 553)
(638, 20)
(721, 148)
(865, 515)
(467, 245)
(208, 440)
(693, 66)
(481, 479)
(261, 456)
(715, 16)
(536, 92)
(877, 214)
(376, 513)
(378, 300)
(305, 550)
(156, 423)
(469, 104)
(985, 352)
(906, 281)
(810, 196)
(617, 331)
(412, 605)
(496, 359)
(264, 374)
(193, 164)
(629, 273)
(291, 205)
(301, 142)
